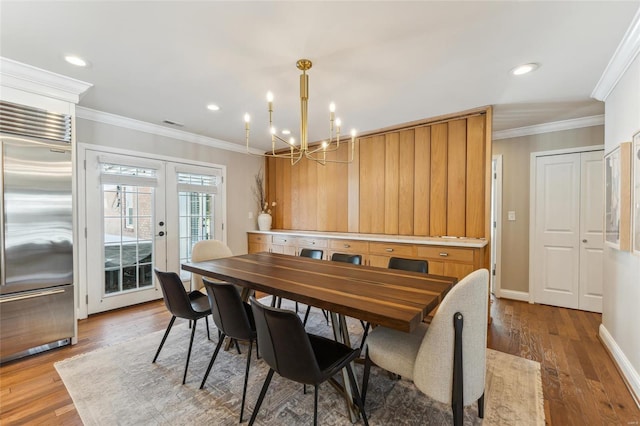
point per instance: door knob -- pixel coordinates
(161, 233)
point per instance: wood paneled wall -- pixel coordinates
(425, 179)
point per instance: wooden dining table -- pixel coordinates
(386, 297)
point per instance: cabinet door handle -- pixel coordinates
(347, 246)
(284, 241)
(443, 254)
(389, 250)
(313, 242)
(584, 241)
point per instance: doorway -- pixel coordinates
(566, 224)
(126, 233)
(496, 223)
(139, 214)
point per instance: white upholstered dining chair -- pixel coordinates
(207, 250)
(446, 358)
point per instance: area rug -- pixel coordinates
(118, 385)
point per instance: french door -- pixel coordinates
(125, 207)
(143, 214)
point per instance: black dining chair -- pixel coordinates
(299, 356)
(312, 254)
(354, 259)
(190, 306)
(413, 265)
(234, 319)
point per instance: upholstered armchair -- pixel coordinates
(207, 250)
(446, 358)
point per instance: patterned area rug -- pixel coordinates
(120, 385)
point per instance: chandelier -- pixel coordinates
(289, 148)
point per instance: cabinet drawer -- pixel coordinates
(446, 253)
(283, 240)
(391, 249)
(349, 246)
(259, 239)
(311, 242)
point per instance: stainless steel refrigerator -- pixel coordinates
(36, 244)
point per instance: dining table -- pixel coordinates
(385, 297)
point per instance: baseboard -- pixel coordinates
(522, 296)
(629, 374)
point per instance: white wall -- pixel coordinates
(621, 300)
(241, 169)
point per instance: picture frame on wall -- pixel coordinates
(635, 210)
(617, 193)
(612, 198)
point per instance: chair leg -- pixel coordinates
(481, 406)
(246, 379)
(186, 366)
(365, 334)
(296, 307)
(164, 338)
(326, 316)
(263, 392)
(206, 320)
(237, 346)
(457, 392)
(213, 359)
(365, 375)
(306, 316)
(315, 405)
(356, 394)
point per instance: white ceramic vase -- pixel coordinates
(264, 221)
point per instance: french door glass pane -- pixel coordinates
(128, 237)
(195, 216)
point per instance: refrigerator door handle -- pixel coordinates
(2, 230)
(29, 296)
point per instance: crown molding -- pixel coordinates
(624, 55)
(555, 126)
(156, 129)
(42, 82)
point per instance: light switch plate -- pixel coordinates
(511, 215)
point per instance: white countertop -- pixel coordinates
(439, 241)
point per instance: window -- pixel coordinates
(196, 211)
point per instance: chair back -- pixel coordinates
(284, 345)
(413, 265)
(355, 259)
(433, 370)
(228, 311)
(175, 296)
(312, 253)
(207, 250)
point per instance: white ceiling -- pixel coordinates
(382, 63)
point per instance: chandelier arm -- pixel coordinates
(283, 141)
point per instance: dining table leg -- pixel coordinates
(341, 335)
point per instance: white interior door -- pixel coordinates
(556, 264)
(566, 266)
(125, 205)
(591, 231)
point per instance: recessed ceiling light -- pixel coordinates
(286, 131)
(75, 60)
(213, 107)
(524, 69)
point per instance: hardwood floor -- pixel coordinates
(581, 385)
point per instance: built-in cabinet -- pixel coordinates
(428, 178)
(444, 258)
